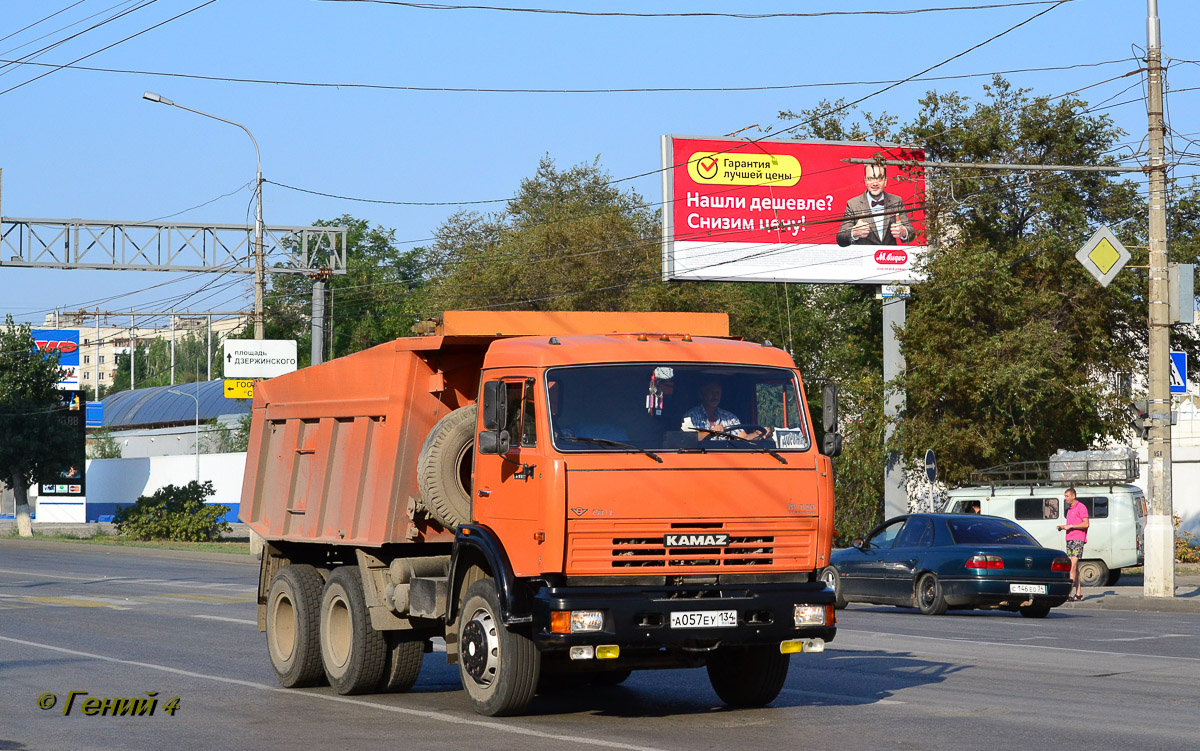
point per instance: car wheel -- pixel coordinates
(1092, 573)
(930, 599)
(1114, 575)
(833, 580)
(1036, 610)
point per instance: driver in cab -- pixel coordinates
(708, 418)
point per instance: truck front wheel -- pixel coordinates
(293, 611)
(354, 654)
(748, 676)
(499, 668)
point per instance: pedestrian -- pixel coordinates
(1076, 528)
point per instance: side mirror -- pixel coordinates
(829, 408)
(495, 405)
(858, 543)
(493, 442)
(831, 444)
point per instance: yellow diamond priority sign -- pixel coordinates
(239, 388)
(1103, 256)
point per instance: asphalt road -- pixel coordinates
(117, 625)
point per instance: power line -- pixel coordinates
(114, 44)
(742, 16)
(42, 19)
(607, 90)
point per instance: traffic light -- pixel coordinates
(1141, 418)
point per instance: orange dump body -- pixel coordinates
(333, 453)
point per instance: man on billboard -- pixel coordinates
(875, 217)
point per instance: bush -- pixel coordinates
(1186, 548)
(174, 513)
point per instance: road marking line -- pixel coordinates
(1144, 638)
(76, 602)
(223, 618)
(202, 598)
(877, 634)
(130, 580)
(427, 714)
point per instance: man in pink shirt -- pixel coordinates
(1076, 527)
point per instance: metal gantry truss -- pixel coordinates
(168, 246)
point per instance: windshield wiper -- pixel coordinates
(753, 443)
(618, 444)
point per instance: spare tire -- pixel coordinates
(444, 467)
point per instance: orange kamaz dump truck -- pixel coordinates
(562, 497)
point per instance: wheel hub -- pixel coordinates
(479, 648)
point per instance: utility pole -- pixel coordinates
(317, 348)
(1159, 580)
(132, 351)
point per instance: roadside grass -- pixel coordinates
(1181, 569)
(235, 546)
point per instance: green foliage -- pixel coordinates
(32, 441)
(153, 361)
(1187, 550)
(174, 513)
(104, 446)
(222, 439)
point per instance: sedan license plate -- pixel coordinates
(704, 619)
(1027, 589)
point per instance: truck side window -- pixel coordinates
(520, 414)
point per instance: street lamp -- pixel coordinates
(259, 278)
(193, 396)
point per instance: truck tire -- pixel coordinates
(1114, 576)
(1093, 573)
(293, 612)
(444, 467)
(353, 653)
(499, 668)
(403, 663)
(748, 676)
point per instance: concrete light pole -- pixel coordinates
(1160, 528)
(259, 271)
(197, 399)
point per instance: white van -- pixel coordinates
(1117, 514)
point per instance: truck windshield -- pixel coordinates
(675, 407)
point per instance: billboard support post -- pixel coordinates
(895, 485)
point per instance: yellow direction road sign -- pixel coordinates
(1103, 256)
(239, 388)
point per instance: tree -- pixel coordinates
(367, 305)
(153, 360)
(33, 444)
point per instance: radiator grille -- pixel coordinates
(599, 547)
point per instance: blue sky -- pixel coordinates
(85, 144)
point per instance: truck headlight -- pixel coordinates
(809, 615)
(576, 621)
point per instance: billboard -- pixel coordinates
(69, 418)
(790, 211)
(65, 344)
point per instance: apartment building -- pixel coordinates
(100, 341)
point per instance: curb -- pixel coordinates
(191, 555)
(1138, 603)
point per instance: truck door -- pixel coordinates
(509, 488)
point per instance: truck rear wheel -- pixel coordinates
(748, 676)
(293, 612)
(403, 663)
(352, 652)
(444, 467)
(499, 668)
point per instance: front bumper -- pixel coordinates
(641, 618)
